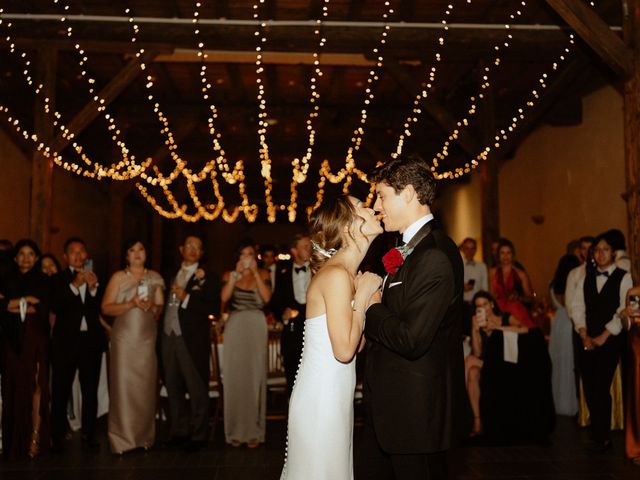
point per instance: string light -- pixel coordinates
(127, 168)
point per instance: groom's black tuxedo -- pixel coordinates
(414, 378)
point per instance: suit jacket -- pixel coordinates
(69, 309)
(414, 374)
(204, 300)
(283, 296)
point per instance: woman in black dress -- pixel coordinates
(24, 313)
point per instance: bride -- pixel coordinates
(320, 430)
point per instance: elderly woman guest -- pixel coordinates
(135, 297)
(631, 321)
(25, 355)
(246, 288)
(510, 285)
(486, 320)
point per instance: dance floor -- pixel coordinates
(563, 458)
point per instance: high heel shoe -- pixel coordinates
(34, 446)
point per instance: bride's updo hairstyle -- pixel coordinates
(326, 227)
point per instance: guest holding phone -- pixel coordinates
(631, 321)
(485, 321)
(247, 288)
(77, 343)
(135, 296)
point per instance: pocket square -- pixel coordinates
(393, 284)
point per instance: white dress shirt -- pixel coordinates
(623, 261)
(478, 272)
(412, 229)
(575, 278)
(301, 281)
(578, 307)
(82, 291)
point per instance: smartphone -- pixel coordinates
(481, 315)
(88, 265)
(634, 301)
(143, 290)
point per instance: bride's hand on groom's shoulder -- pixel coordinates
(368, 283)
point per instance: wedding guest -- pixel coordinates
(185, 345)
(24, 314)
(487, 319)
(631, 321)
(598, 300)
(561, 342)
(475, 276)
(135, 297)
(576, 275)
(49, 265)
(77, 343)
(247, 289)
(289, 303)
(510, 285)
(269, 256)
(621, 256)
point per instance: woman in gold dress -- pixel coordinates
(134, 296)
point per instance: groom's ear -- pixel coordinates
(408, 194)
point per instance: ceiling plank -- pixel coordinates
(437, 111)
(596, 33)
(555, 90)
(109, 93)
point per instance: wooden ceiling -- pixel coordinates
(352, 28)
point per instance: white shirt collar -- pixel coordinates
(412, 229)
(189, 269)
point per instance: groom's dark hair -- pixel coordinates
(406, 170)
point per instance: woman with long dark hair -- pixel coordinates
(135, 297)
(24, 313)
(247, 289)
(510, 285)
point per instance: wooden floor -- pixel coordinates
(563, 458)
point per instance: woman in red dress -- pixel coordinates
(510, 285)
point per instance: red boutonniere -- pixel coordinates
(392, 261)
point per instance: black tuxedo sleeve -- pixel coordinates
(206, 299)
(408, 328)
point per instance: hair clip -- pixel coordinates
(325, 253)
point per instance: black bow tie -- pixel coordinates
(300, 269)
(604, 274)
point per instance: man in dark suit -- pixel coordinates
(289, 304)
(77, 343)
(414, 376)
(186, 345)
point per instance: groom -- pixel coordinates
(414, 379)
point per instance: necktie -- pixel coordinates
(300, 269)
(604, 274)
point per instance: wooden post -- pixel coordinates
(632, 135)
(42, 168)
(489, 193)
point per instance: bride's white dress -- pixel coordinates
(320, 432)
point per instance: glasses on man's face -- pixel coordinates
(191, 246)
(602, 250)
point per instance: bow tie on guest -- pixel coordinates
(604, 274)
(300, 269)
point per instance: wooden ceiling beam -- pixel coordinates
(109, 93)
(596, 33)
(555, 89)
(434, 109)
